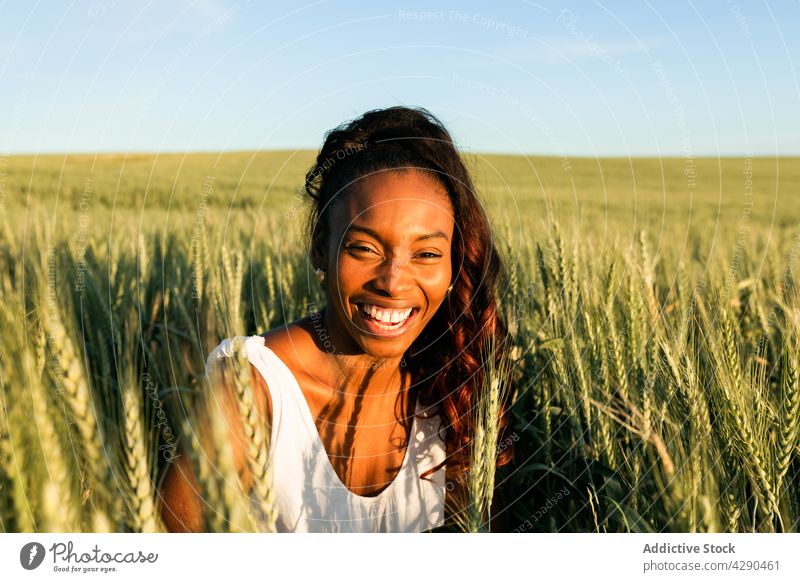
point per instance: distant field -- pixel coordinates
(653, 304)
(672, 198)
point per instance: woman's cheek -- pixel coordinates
(351, 273)
(436, 285)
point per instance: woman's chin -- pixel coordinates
(381, 349)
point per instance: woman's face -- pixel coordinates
(388, 260)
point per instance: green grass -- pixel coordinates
(653, 305)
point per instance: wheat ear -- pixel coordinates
(78, 397)
(59, 502)
(256, 433)
(141, 498)
(230, 509)
(790, 418)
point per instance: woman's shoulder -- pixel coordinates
(291, 342)
(218, 364)
(286, 341)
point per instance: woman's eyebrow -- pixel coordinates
(375, 235)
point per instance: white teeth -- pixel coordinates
(387, 315)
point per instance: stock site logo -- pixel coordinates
(31, 555)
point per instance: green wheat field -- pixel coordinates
(653, 306)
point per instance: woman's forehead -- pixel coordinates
(397, 195)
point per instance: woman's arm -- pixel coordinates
(182, 507)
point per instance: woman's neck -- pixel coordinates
(351, 370)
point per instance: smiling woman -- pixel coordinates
(370, 398)
(387, 249)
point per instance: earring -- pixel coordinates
(320, 275)
(450, 288)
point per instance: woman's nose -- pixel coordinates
(394, 276)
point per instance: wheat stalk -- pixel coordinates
(563, 268)
(14, 454)
(199, 250)
(14, 508)
(685, 298)
(583, 385)
(630, 417)
(649, 278)
(607, 436)
(230, 500)
(256, 434)
(6, 447)
(141, 493)
(77, 396)
(615, 354)
(232, 513)
(743, 436)
(730, 500)
(271, 300)
(742, 442)
(790, 418)
(490, 395)
(635, 316)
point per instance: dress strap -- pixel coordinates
(258, 355)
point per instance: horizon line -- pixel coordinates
(703, 155)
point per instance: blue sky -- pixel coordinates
(564, 79)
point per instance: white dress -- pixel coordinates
(310, 495)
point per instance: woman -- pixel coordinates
(370, 397)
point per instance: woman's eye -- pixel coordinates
(359, 248)
(429, 255)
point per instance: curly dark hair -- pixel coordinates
(446, 359)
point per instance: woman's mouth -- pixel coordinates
(385, 322)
